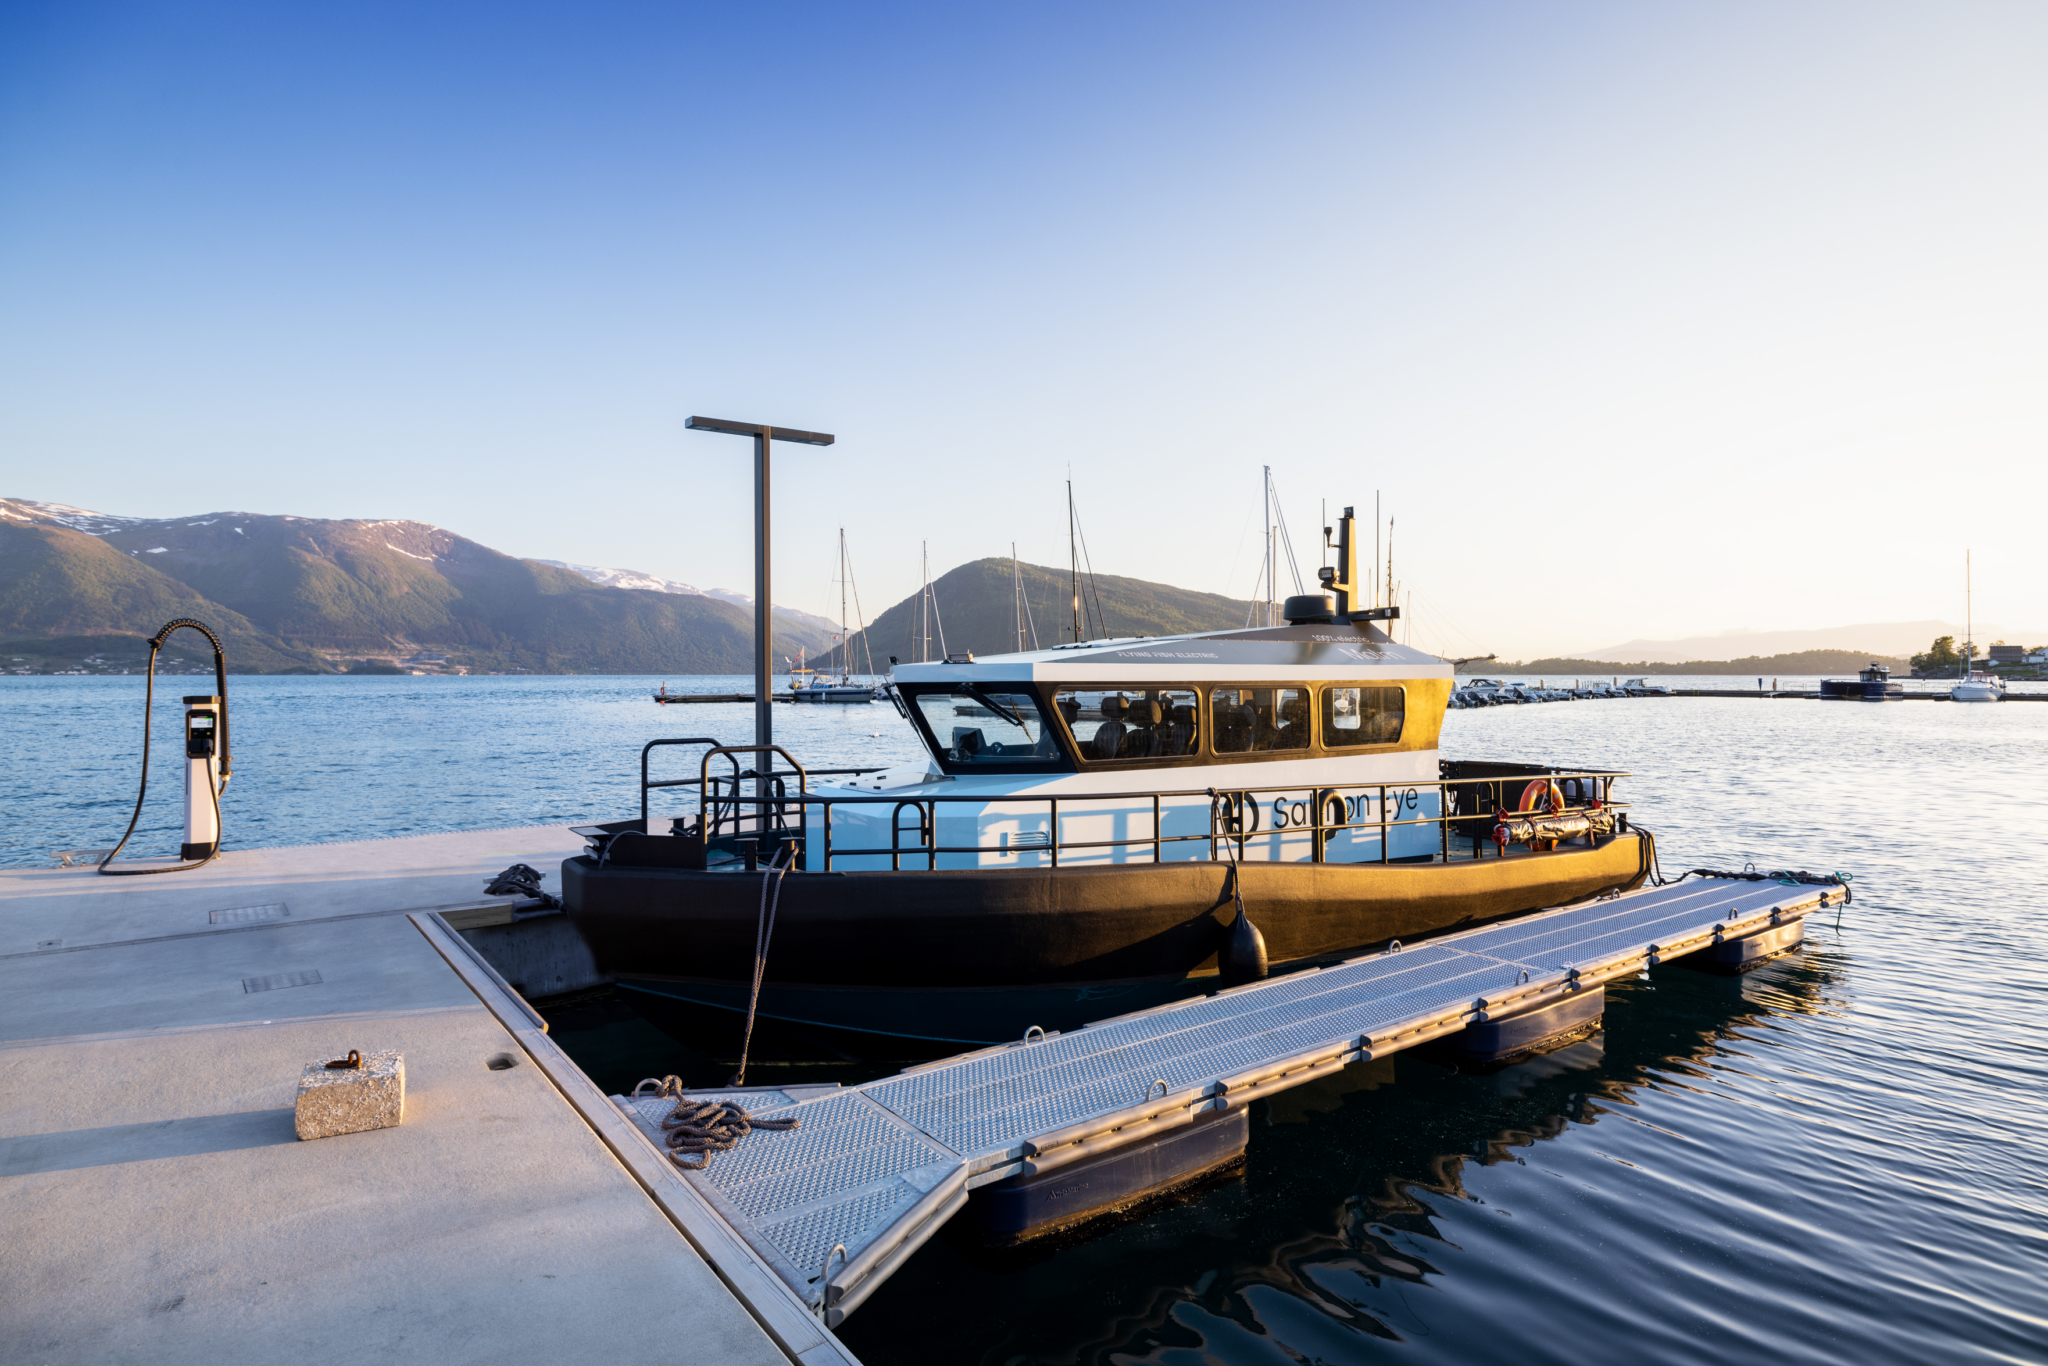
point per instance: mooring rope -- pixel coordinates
(764, 930)
(521, 880)
(702, 1127)
(1216, 800)
(1780, 875)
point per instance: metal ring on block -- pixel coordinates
(1035, 1029)
(1160, 1084)
(825, 1275)
(1393, 946)
(1522, 977)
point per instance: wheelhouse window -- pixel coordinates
(1130, 723)
(1362, 716)
(1258, 720)
(981, 728)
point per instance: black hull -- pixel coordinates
(1856, 690)
(926, 963)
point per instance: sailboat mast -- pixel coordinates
(1073, 562)
(1390, 563)
(924, 603)
(1017, 594)
(1969, 620)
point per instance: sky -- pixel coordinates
(1641, 321)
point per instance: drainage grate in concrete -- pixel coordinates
(281, 979)
(243, 915)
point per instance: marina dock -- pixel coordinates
(159, 1206)
(873, 1171)
(152, 1031)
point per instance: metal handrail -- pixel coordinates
(1319, 829)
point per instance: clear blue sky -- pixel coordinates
(1650, 320)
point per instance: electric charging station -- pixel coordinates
(208, 764)
(202, 778)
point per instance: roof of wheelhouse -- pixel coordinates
(1310, 652)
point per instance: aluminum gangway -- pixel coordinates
(873, 1170)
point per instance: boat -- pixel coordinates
(1098, 827)
(1978, 687)
(821, 687)
(1872, 684)
(1975, 686)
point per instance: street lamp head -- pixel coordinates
(719, 424)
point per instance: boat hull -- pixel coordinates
(935, 960)
(1857, 690)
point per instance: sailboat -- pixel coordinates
(1975, 687)
(822, 687)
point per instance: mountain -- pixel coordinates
(977, 612)
(633, 578)
(64, 590)
(299, 592)
(1884, 638)
(1795, 664)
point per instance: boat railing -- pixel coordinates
(1472, 799)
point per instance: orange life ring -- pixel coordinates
(1542, 795)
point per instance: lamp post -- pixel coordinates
(764, 608)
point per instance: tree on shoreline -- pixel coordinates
(1939, 656)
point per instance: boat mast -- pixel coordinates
(1267, 493)
(1969, 621)
(1017, 594)
(845, 641)
(924, 603)
(1073, 562)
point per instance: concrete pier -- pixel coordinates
(159, 1207)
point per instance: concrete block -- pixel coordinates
(349, 1100)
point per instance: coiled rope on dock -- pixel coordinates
(521, 879)
(702, 1127)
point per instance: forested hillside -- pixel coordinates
(306, 593)
(977, 612)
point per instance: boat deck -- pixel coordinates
(159, 1207)
(875, 1169)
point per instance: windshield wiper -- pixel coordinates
(1013, 717)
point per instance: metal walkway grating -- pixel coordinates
(875, 1169)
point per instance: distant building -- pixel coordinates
(2008, 654)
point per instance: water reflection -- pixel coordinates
(1353, 1211)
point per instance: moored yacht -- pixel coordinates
(1978, 688)
(1872, 684)
(1080, 837)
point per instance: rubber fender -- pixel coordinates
(1243, 956)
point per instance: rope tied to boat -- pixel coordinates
(764, 930)
(702, 1127)
(1784, 877)
(521, 880)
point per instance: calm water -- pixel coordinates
(1837, 1158)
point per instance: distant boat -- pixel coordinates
(1978, 688)
(1873, 684)
(821, 687)
(1975, 687)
